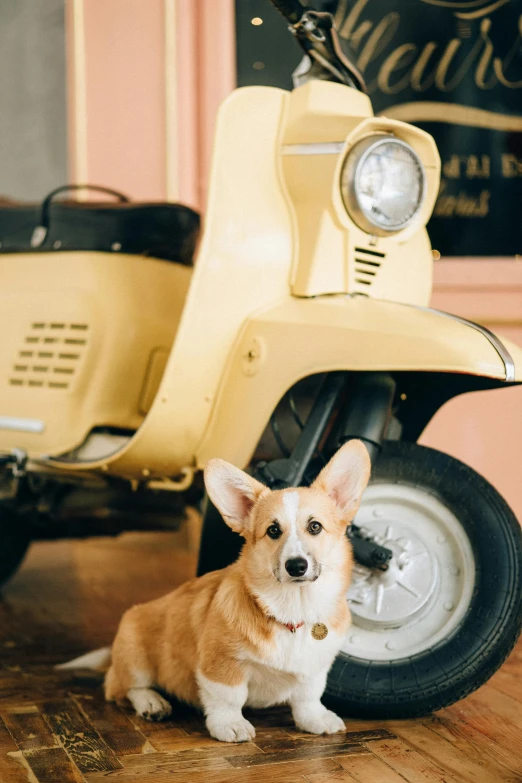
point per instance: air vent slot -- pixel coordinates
(368, 252)
(367, 265)
(52, 368)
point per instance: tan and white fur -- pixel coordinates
(226, 639)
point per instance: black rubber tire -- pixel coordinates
(15, 537)
(461, 663)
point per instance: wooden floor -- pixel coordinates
(56, 728)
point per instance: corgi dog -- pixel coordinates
(262, 631)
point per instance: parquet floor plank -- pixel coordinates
(340, 776)
(508, 682)
(497, 717)
(370, 770)
(52, 765)
(447, 724)
(415, 767)
(78, 737)
(168, 772)
(463, 763)
(307, 750)
(11, 764)
(114, 727)
(29, 729)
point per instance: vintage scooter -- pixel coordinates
(304, 323)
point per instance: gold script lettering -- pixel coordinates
(462, 205)
(471, 166)
(371, 40)
(401, 57)
(347, 28)
(451, 167)
(478, 167)
(378, 40)
(420, 66)
(511, 166)
(485, 58)
(441, 72)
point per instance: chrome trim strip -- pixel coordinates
(313, 148)
(498, 345)
(21, 425)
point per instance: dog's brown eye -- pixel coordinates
(314, 527)
(274, 531)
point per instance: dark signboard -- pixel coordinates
(452, 67)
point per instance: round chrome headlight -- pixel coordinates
(383, 183)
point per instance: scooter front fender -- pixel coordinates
(300, 337)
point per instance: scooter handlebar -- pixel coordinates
(292, 10)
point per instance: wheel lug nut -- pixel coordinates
(354, 639)
(390, 646)
(441, 539)
(448, 606)
(454, 570)
(378, 512)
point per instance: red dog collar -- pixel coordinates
(291, 627)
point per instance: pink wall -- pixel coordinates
(189, 51)
(483, 429)
(207, 74)
(125, 88)
(117, 50)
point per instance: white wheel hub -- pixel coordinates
(425, 593)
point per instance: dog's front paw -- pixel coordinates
(154, 707)
(235, 730)
(326, 722)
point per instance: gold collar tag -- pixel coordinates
(319, 631)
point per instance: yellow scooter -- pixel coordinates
(305, 322)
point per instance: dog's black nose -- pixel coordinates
(296, 566)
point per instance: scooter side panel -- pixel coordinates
(301, 337)
(82, 331)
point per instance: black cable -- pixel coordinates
(295, 413)
(277, 436)
(292, 10)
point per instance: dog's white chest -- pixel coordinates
(301, 653)
(294, 658)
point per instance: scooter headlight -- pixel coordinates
(383, 183)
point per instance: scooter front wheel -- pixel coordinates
(447, 612)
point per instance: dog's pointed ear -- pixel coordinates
(233, 492)
(345, 477)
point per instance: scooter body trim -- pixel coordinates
(495, 341)
(300, 337)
